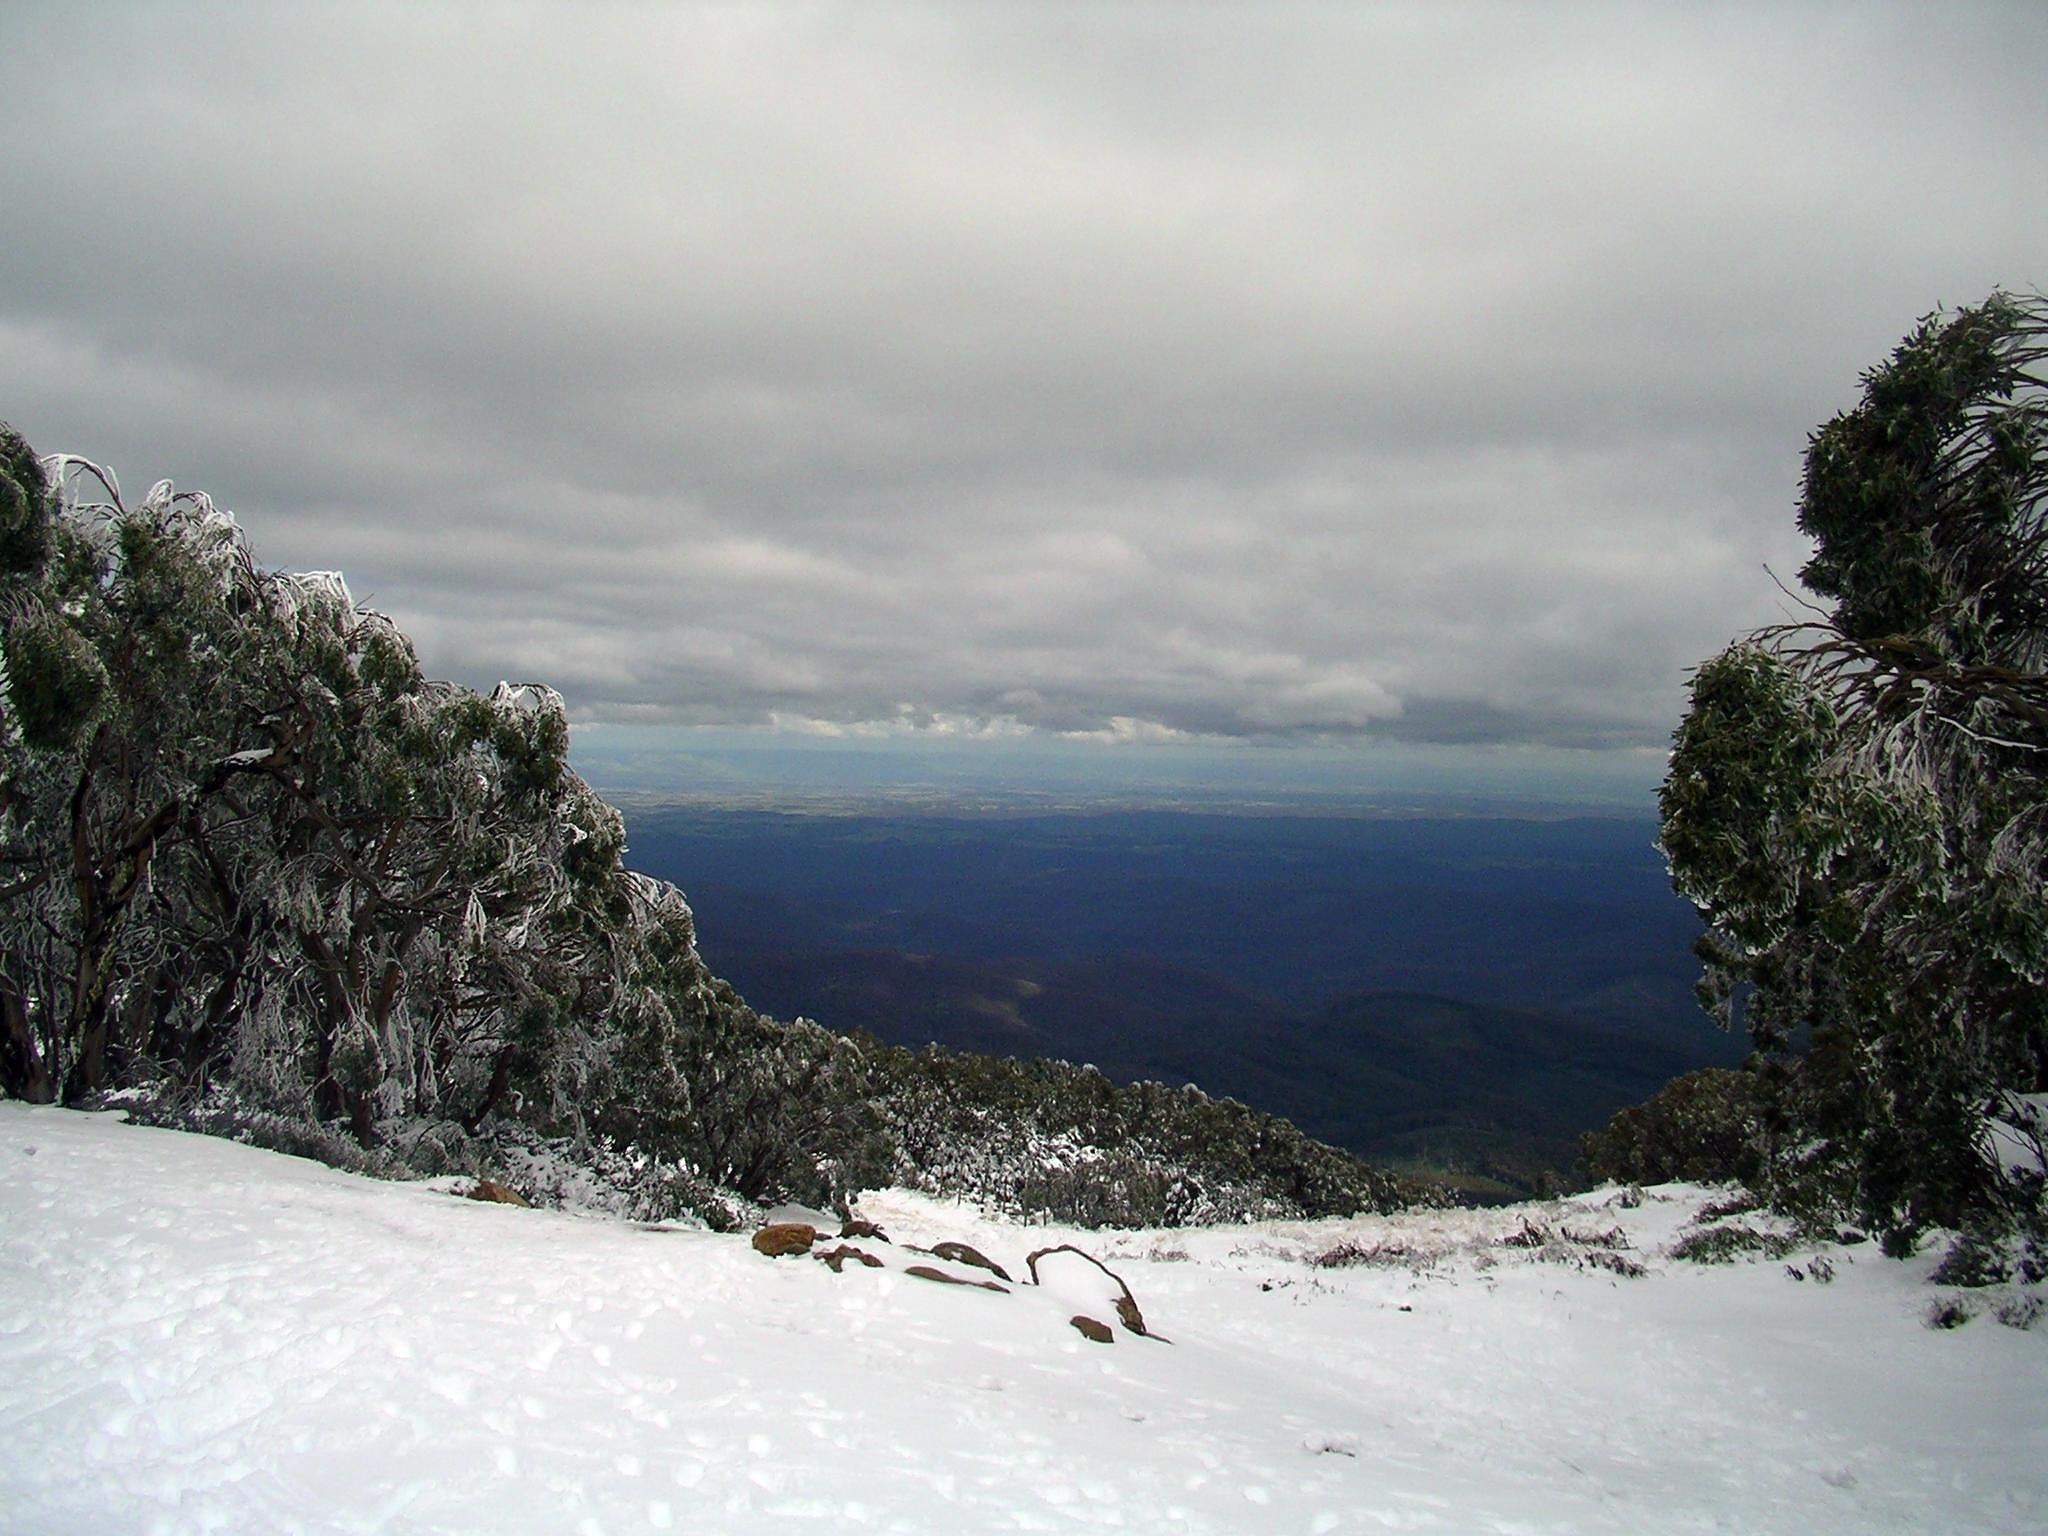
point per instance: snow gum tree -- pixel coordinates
(241, 836)
(1858, 803)
(119, 622)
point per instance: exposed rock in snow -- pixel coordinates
(780, 1238)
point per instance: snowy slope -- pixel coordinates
(197, 1336)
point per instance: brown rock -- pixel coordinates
(926, 1272)
(960, 1253)
(1126, 1304)
(498, 1194)
(784, 1237)
(1089, 1328)
(853, 1226)
(838, 1257)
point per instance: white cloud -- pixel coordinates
(1436, 372)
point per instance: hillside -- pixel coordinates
(199, 1336)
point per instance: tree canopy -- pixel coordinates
(1857, 801)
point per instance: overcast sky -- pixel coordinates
(1425, 374)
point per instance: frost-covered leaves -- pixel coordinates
(1859, 806)
(24, 512)
(245, 837)
(1924, 500)
(1739, 802)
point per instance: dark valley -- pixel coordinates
(1463, 994)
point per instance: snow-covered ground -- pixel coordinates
(197, 1336)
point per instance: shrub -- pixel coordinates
(1725, 1244)
(1703, 1127)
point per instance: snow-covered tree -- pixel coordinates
(1858, 803)
(117, 729)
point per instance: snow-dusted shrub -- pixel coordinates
(1725, 1244)
(224, 1113)
(2020, 1310)
(1974, 1260)
(1948, 1312)
(1351, 1254)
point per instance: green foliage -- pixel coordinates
(55, 679)
(1858, 806)
(1705, 1126)
(25, 537)
(1916, 495)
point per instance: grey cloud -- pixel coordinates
(1432, 373)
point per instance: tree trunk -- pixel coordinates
(89, 1012)
(23, 1072)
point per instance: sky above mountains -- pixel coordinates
(1432, 375)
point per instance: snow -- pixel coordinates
(198, 1336)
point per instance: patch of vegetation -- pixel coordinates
(1355, 1255)
(1616, 1264)
(1948, 1312)
(1704, 1127)
(1726, 1244)
(1047, 1139)
(1579, 1250)
(1973, 1261)
(1741, 1203)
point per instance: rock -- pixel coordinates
(785, 1237)
(498, 1194)
(1089, 1328)
(838, 1257)
(792, 1211)
(1128, 1314)
(1079, 1278)
(853, 1226)
(960, 1253)
(926, 1272)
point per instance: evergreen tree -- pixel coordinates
(1858, 804)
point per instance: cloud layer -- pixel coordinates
(1424, 373)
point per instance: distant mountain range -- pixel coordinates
(1448, 994)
